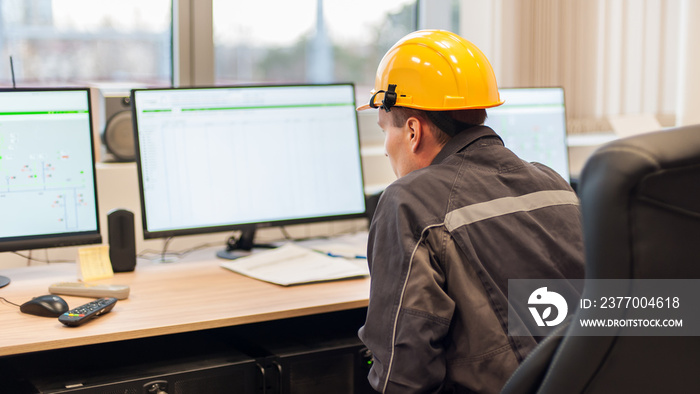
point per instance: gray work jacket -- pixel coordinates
(443, 242)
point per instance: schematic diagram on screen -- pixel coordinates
(42, 169)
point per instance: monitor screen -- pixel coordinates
(48, 195)
(532, 123)
(225, 158)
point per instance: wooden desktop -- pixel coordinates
(166, 298)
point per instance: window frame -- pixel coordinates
(193, 38)
(193, 43)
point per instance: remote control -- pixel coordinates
(82, 289)
(87, 312)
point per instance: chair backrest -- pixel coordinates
(640, 201)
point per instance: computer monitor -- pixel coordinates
(238, 158)
(532, 123)
(48, 194)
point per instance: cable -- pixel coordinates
(285, 234)
(348, 228)
(351, 228)
(47, 261)
(162, 253)
(165, 247)
(8, 301)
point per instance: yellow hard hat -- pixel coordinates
(434, 70)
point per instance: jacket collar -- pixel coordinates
(462, 140)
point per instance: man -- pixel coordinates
(463, 217)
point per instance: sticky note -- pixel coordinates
(94, 263)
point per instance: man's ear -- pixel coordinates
(415, 130)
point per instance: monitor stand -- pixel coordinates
(4, 281)
(238, 247)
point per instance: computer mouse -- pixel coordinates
(47, 305)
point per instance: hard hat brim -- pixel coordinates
(363, 107)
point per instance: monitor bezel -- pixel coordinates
(566, 122)
(56, 240)
(153, 234)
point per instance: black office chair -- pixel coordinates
(640, 200)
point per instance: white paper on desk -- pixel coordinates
(291, 264)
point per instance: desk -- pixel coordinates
(191, 295)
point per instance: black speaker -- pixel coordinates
(122, 240)
(118, 135)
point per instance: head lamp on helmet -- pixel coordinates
(388, 101)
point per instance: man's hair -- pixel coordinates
(474, 117)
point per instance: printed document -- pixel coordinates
(292, 264)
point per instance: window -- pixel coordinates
(86, 42)
(306, 40)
